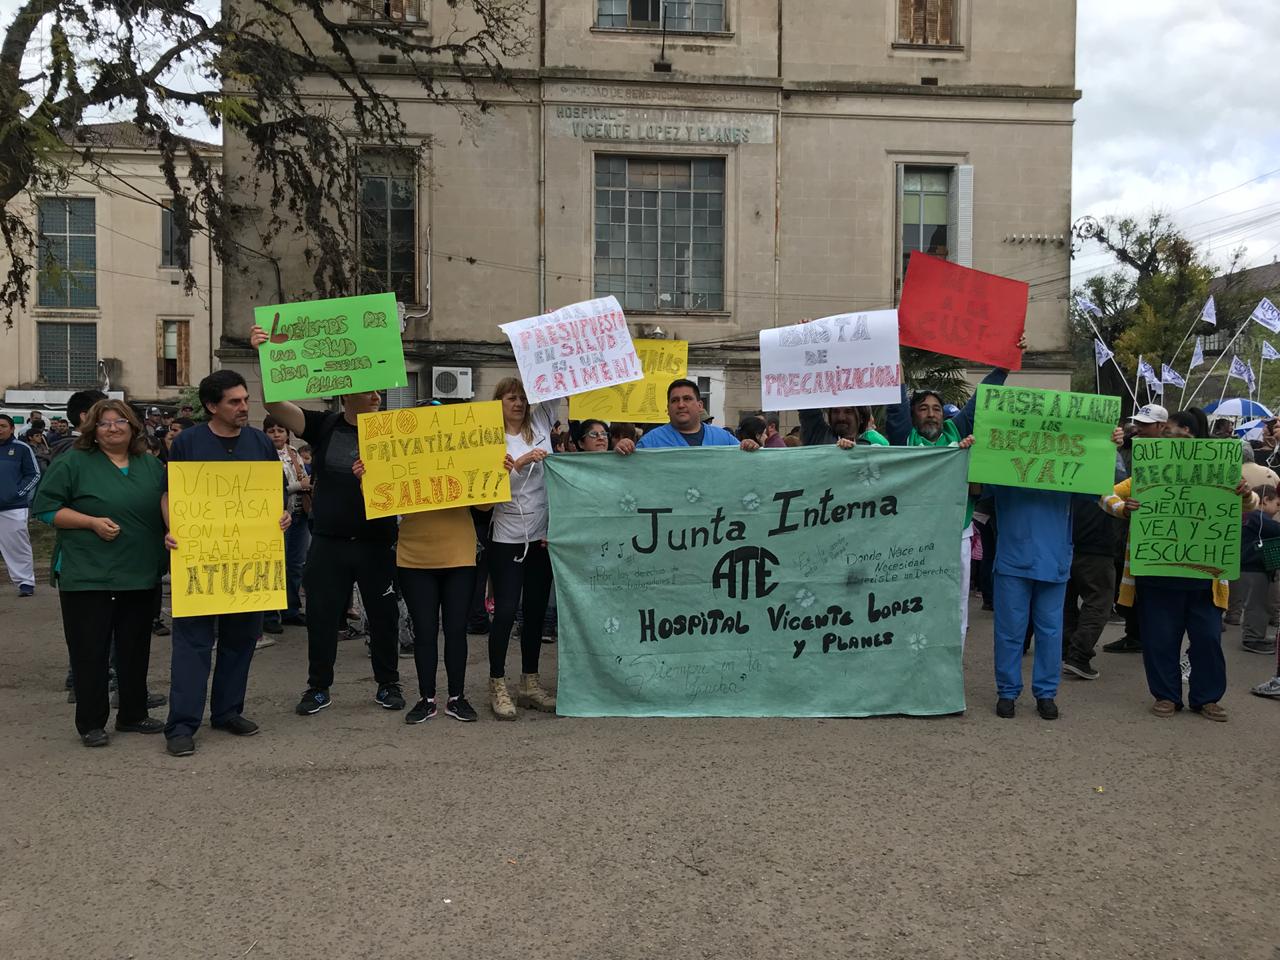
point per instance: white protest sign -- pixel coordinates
(581, 347)
(849, 360)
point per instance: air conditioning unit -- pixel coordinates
(451, 383)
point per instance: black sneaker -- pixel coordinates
(95, 738)
(180, 746)
(406, 650)
(272, 626)
(1080, 668)
(1047, 708)
(422, 711)
(459, 709)
(159, 629)
(237, 725)
(477, 628)
(1005, 708)
(145, 725)
(313, 701)
(156, 700)
(389, 697)
(1123, 645)
(71, 696)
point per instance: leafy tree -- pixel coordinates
(164, 64)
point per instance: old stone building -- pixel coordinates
(736, 165)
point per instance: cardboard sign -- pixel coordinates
(1188, 524)
(1044, 439)
(430, 458)
(226, 519)
(719, 583)
(641, 401)
(962, 313)
(848, 360)
(322, 348)
(581, 347)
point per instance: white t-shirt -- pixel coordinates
(524, 519)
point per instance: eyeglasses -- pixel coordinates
(597, 435)
(113, 424)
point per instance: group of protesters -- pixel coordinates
(1049, 570)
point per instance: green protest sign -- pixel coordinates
(1044, 439)
(1188, 524)
(713, 582)
(321, 348)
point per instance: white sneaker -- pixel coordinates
(1185, 664)
(1269, 689)
(264, 641)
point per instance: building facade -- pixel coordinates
(107, 304)
(720, 166)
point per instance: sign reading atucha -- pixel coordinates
(660, 126)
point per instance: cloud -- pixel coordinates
(1179, 106)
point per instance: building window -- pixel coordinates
(175, 353)
(682, 16)
(397, 11)
(68, 252)
(172, 253)
(388, 224)
(659, 232)
(926, 204)
(67, 354)
(927, 22)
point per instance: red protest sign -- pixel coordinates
(961, 312)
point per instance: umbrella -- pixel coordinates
(1251, 430)
(1236, 407)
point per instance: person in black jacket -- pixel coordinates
(1091, 589)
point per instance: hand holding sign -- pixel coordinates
(963, 313)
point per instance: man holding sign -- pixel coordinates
(226, 437)
(685, 429)
(346, 548)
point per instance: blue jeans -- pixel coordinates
(1017, 601)
(1167, 614)
(189, 669)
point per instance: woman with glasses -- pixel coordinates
(593, 436)
(103, 497)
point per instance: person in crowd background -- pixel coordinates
(519, 563)
(753, 428)
(1255, 579)
(1091, 588)
(1170, 607)
(226, 436)
(103, 497)
(297, 539)
(593, 436)
(35, 439)
(19, 477)
(850, 424)
(773, 438)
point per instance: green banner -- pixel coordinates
(1188, 524)
(799, 583)
(322, 348)
(1044, 439)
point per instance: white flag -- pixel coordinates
(1249, 377)
(1238, 369)
(1088, 307)
(1148, 373)
(1170, 375)
(1267, 314)
(1100, 352)
(1269, 352)
(1210, 313)
(1197, 357)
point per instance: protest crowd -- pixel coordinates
(1053, 565)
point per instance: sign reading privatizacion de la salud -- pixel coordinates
(1188, 524)
(714, 582)
(961, 312)
(1044, 439)
(226, 520)
(848, 360)
(322, 348)
(430, 458)
(641, 401)
(581, 347)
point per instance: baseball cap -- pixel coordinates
(154, 410)
(1151, 413)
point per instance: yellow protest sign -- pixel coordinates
(642, 401)
(430, 458)
(226, 519)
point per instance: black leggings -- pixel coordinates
(426, 593)
(512, 580)
(92, 620)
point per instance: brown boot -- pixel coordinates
(500, 699)
(532, 695)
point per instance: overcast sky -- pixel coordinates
(1180, 103)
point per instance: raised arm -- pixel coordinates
(897, 420)
(289, 414)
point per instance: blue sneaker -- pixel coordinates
(313, 701)
(27, 590)
(390, 697)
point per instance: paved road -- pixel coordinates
(1109, 834)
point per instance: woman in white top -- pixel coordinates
(519, 564)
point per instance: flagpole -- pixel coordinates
(1136, 378)
(1116, 363)
(1219, 360)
